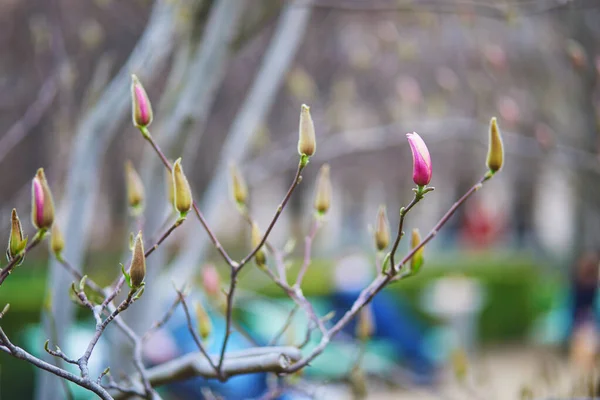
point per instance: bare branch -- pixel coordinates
(264, 359)
(19, 130)
(21, 354)
(193, 331)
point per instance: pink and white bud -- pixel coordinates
(421, 159)
(42, 207)
(141, 109)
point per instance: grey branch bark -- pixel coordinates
(262, 359)
(287, 38)
(93, 135)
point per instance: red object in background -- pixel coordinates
(480, 227)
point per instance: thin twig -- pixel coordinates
(367, 294)
(400, 234)
(165, 235)
(285, 326)
(193, 331)
(308, 240)
(83, 360)
(21, 354)
(201, 218)
(288, 195)
(161, 322)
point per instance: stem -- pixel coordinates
(403, 212)
(308, 240)
(201, 218)
(381, 281)
(297, 180)
(228, 316)
(193, 332)
(165, 235)
(83, 360)
(285, 326)
(443, 220)
(5, 272)
(21, 354)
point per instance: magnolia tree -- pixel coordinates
(103, 302)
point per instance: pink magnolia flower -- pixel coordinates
(421, 159)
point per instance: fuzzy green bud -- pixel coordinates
(137, 269)
(182, 193)
(382, 230)
(256, 237)
(323, 191)
(495, 156)
(203, 320)
(416, 262)
(57, 241)
(307, 144)
(135, 188)
(239, 189)
(365, 325)
(16, 241)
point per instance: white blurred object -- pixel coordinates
(458, 301)
(353, 273)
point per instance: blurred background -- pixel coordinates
(505, 306)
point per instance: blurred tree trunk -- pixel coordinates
(93, 135)
(286, 40)
(582, 26)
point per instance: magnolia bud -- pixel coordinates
(256, 238)
(204, 324)
(421, 159)
(382, 230)
(417, 259)
(365, 325)
(137, 269)
(42, 208)
(239, 189)
(323, 192)
(135, 188)
(495, 156)
(57, 242)
(211, 282)
(16, 241)
(141, 109)
(307, 144)
(181, 189)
